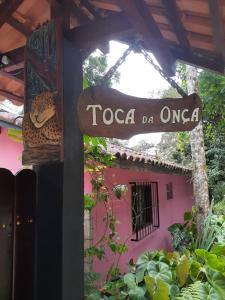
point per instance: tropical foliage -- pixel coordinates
(195, 270)
(176, 147)
(160, 275)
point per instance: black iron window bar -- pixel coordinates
(145, 209)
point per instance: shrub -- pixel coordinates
(160, 275)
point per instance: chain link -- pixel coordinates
(171, 81)
(118, 63)
(139, 48)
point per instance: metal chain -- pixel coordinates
(138, 47)
(118, 63)
(171, 81)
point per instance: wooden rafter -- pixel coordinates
(7, 8)
(215, 9)
(90, 8)
(13, 67)
(15, 56)
(11, 96)
(11, 77)
(92, 34)
(57, 9)
(203, 59)
(79, 15)
(118, 27)
(19, 26)
(138, 14)
(175, 21)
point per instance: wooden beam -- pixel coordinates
(7, 8)
(11, 77)
(175, 21)
(79, 15)
(15, 56)
(99, 31)
(90, 8)
(13, 67)
(202, 59)
(10, 96)
(138, 14)
(109, 5)
(73, 179)
(19, 26)
(216, 9)
(118, 27)
(57, 10)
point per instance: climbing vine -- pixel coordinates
(96, 160)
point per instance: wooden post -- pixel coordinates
(48, 237)
(73, 177)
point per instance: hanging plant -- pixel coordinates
(119, 190)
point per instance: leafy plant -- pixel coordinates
(119, 190)
(160, 275)
(219, 208)
(177, 147)
(207, 236)
(184, 235)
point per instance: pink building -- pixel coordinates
(158, 194)
(10, 152)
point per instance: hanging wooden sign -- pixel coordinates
(108, 113)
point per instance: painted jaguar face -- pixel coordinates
(43, 109)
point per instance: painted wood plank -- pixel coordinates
(48, 258)
(73, 176)
(24, 231)
(6, 227)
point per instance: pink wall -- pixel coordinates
(10, 153)
(171, 211)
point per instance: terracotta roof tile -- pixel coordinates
(131, 155)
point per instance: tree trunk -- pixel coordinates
(200, 180)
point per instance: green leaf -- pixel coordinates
(215, 262)
(200, 253)
(150, 285)
(174, 291)
(85, 83)
(187, 216)
(195, 269)
(159, 270)
(102, 141)
(182, 270)
(137, 293)
(218, 249)
(207, 292)
(129, 280)
(217, 280)
(89, 202)
(86, 139)
(142, 263)
(95, 141)
(157, 288)
(191, 292)
(94, 295)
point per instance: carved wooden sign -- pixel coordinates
(106, 112)
(42, 122)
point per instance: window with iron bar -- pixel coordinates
(145, 209)
(169, 191)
